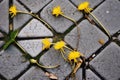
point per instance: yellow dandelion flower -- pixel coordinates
(59, 45)
(57, 11)
(13, 11)
(73, 55)
(85, 7)
(46, 42)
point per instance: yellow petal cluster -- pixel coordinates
(56, 11)
(46, 43)
(13, 11)
(59, 45)
(84, 6)
(73, 55)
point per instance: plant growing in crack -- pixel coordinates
(13, 12)
(56, 11)
(84, 6)
(73, 57)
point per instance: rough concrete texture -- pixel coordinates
(35, 29)
(20, 19)
(108, 14)
(4, 21)
(104, 66)
(33, 47)
(93, 3)
(89, 37)
(53, 57)
(91, 76)
(107, 63)
(11, 63)
(60, 24)
(34, 73)
(119, 37)
(36, 5)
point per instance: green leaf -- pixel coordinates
(14, 34)
(7, 44)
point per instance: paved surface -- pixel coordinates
(102, 61)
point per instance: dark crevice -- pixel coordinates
(24, 5)
(18, 76)
(98, 51)
(2, 78)
(98, 5)
(31, 38)
(38, 13)
(10, 19)
(73, 26)
(95, 72)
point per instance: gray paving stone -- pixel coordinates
(34, 73)
(33, 47)
(60, 24)
(89, 37)
(1, 43)
(53, 57)
(11, 63)
(93, 3)
(20, 19)
(119, 37)
(108, 14)
(35, 29)
(91, 76)
(107, 62)
(4, 21)
(35, 5)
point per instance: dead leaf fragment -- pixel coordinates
(101, 41)
(51, 75)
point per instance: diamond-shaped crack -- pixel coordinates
(35, 29)
(11, 63)
(4, 21)
(107, 63)
(89, 37)
(35, 5)
(53, 57)
(34, 73)
(60, 24)
(93, 3)
(33, 47)
(108, 13)
(20, 19)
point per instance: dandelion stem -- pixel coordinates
(107, 32)
(36, 16)
(69, 18)
(20, 47)
(47, 66)
(78, 30)
(68, 48)
(62, 53)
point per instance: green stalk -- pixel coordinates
(101, 25)
(36, 16)
(46, 66)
